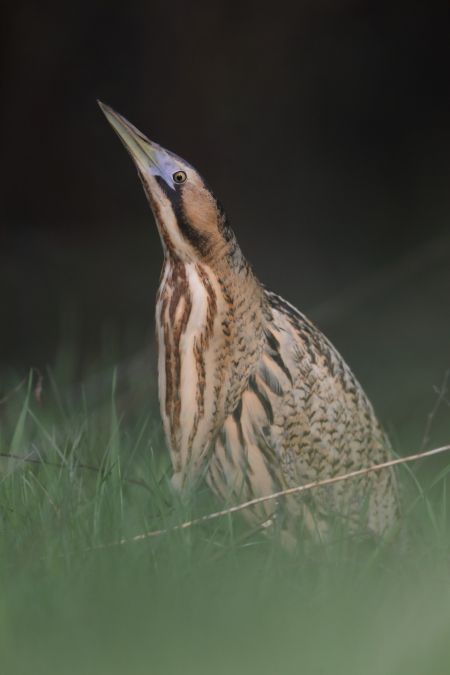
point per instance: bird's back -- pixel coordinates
(304, 417)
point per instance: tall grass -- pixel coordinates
(217, 598)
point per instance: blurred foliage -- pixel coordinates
(215, 598)
(338, 193)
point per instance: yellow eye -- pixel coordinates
(179, 177)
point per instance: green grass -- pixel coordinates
(213, 599)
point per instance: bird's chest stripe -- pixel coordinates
(200, 347)
(174, 315)
(188, 309)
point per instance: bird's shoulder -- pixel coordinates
(303, 352)
(310, 387)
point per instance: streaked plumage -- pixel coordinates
(253, 396)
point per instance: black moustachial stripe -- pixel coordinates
(199, 240)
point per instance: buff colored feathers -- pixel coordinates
(253, 397)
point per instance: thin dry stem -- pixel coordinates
(441, 392)
(277, 495)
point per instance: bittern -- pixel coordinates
(253, 396)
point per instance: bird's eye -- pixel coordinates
(179, 177)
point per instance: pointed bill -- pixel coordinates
(149, 157)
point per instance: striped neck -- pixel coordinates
(209, 320)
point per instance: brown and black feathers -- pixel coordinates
(253, 396)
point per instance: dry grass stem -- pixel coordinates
(277, 495)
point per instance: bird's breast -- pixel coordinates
(208, 329)
(190, 346)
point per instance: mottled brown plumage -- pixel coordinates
(253, 396)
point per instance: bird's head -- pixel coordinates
(191, 222)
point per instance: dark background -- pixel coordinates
(324, 128)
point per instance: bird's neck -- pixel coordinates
(210, 330)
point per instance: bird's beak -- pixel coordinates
(149, 157)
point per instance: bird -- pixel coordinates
(254, 398)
